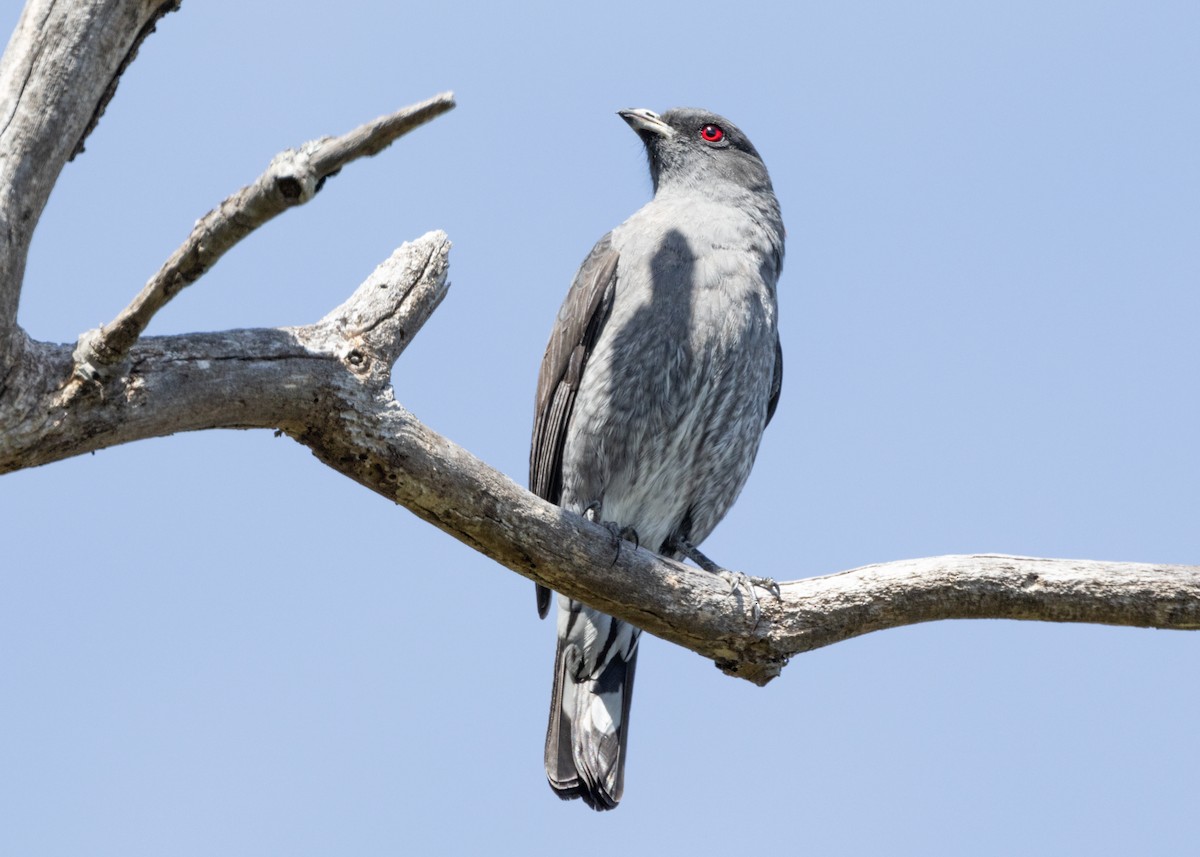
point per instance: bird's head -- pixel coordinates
(691, 148)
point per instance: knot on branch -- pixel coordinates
(759, 672)
(293, 175)
(94, 361)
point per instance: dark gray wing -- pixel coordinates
(576, 330)
(776, 381)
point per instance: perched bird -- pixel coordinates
(662, 371)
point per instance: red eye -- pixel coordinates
(712, 133)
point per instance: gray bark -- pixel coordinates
(327, 385)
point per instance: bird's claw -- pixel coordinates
(619, 533)
(749, 582)
(769, 584)
(735, 579)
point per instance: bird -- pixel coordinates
(663, 368)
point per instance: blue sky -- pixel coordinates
(213, 644)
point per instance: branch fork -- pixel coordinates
(293, 177)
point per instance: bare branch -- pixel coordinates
(379, 320)
(143, 33)
(292, 178)
(260, 378)
(392, 453)
(330, 154)
(60, 67)
(326, 385)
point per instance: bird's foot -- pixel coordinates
(735, 579)
(751, 584)
(619, 533)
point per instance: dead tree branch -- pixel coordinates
(327, 385)
(292, 178)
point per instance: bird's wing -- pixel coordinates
(776, 381)
(576, 330)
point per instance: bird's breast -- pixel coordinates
(673, 399)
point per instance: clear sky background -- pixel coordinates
(212, 644)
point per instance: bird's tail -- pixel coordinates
(589, 720)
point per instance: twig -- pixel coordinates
(292, 178)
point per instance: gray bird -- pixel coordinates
(662, 371)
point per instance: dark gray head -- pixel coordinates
(695, 148)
